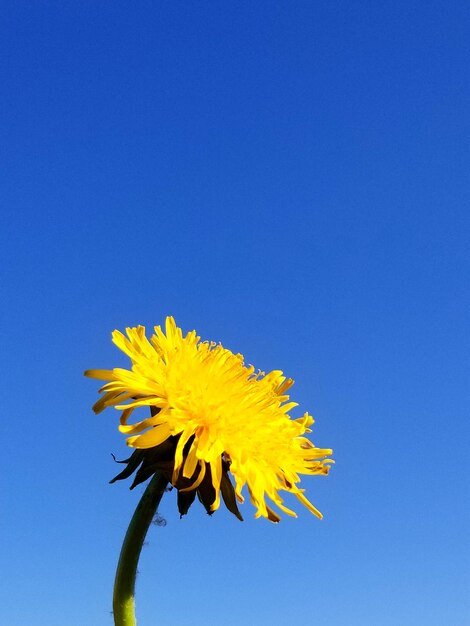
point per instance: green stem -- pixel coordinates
(124, 584)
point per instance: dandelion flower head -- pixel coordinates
(221, 413)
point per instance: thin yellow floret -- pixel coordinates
(206, 395)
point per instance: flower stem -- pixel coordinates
(124, 584)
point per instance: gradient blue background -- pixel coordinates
(289, 178)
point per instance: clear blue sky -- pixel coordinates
(289, 178)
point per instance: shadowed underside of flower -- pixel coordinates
(210, 414)
(145, 463)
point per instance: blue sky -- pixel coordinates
(291, 179)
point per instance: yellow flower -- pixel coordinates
(218, 414)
